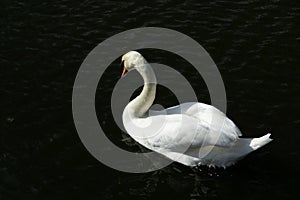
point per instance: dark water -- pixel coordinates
(254, 43)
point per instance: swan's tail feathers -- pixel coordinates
(259, 142)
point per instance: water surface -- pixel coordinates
(255, 45)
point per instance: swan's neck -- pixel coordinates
(139, 106)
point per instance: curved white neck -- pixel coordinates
(141, 104)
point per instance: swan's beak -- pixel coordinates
(124, 72)
(124, 69)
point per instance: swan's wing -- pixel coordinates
(211, 115)
(181, 132)
(177, 134)
(182, 108)
(204, 113)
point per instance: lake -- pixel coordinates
(255, 45)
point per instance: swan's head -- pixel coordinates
(131, 60)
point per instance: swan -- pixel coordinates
(191, 133)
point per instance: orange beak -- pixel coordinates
(124, 68)
(124, 72)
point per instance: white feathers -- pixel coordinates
(191, 133)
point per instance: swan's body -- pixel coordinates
(191, 133)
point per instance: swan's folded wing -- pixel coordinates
(181, 132)
(204, 113)
(209, 114)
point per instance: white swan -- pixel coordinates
(191, 133)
